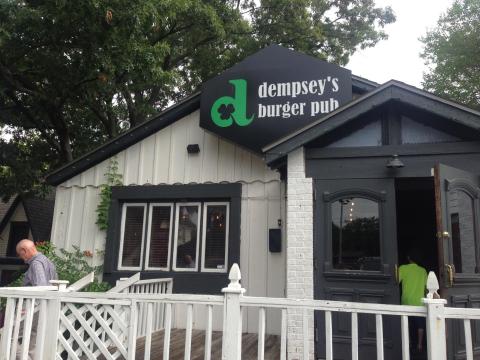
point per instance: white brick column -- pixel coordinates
(299, 251)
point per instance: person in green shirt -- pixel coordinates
(413, 279)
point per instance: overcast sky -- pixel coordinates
(399, 57)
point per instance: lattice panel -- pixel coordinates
(92, 330)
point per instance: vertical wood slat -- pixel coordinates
(379, 331)
(27, 327)
(132, 331)
(208, 333)
(283, 336)
(7, 331)
(16, 329)
(41, 329)
(468, 339)
(328, 335)
(261, 333)
(354, 336)
(188, 332)
(405, 338)
(168, 326)
(148, 335)
(306, 349)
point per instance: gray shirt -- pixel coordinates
(40, 271)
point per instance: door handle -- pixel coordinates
(450, 273)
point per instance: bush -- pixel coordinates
(71, 266)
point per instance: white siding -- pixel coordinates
(162, 159)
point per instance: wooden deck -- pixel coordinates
(177, 346)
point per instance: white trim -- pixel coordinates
(122, 234)
(204, 234)
(175, 239)
(149, 235)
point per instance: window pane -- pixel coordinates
(463, 232)
(355, 234)
(159, 237)
(132, 238)
(215, 236)
(188, 216)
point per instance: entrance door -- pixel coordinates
(457, 208)
(355, 253)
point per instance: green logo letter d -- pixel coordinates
(227, 109)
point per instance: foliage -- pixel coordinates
(73, 74)
(113, 178)
(452, 52)
(71, 266)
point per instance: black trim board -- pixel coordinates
(125, 140)
(184, 282)
(392, 90)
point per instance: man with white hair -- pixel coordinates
(40, 269)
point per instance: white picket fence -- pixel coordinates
(89, 325)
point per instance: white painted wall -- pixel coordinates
(18, 215)
(162, 159)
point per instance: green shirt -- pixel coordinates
(414, 281)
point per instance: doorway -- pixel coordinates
(416, 221)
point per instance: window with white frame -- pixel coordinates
(181, 236)
(215, 237)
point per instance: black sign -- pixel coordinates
(270, 94)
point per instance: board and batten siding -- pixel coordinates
(162, 159)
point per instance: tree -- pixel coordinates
(452, 53)
(73, 73)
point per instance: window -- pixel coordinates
(186, 237)
(215, 237)
(131, 242)
(178, 236)
(355, 234)
(159, 235)
(462, 215)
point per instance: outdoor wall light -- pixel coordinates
(193, 149)
(394, 162)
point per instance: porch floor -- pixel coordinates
(177, 346)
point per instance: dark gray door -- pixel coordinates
(457, 210)
(355, 253)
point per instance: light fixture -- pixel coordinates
(394, 162)
(193, 148)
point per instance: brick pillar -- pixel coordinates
(299, 251)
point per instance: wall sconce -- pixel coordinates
(193, 149)
(394, 162)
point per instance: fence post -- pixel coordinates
(232, 316)
(436, 336)
(51, 321)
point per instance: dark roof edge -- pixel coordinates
(363, 85)
(392, 83)
(132, 136)
(9, 213)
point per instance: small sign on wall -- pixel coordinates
(270, 94)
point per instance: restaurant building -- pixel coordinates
(317, 182)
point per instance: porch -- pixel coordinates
(135, 321)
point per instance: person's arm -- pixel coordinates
(38, 275)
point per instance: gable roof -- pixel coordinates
(6, 210)
(392, 90)
(149, 127)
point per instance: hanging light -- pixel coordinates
(394, 162)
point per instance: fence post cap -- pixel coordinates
(60, 284)
(432, 286)
(234, 276)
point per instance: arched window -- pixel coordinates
(355, 234)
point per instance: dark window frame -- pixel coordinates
(208, 282)
(328, 199)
